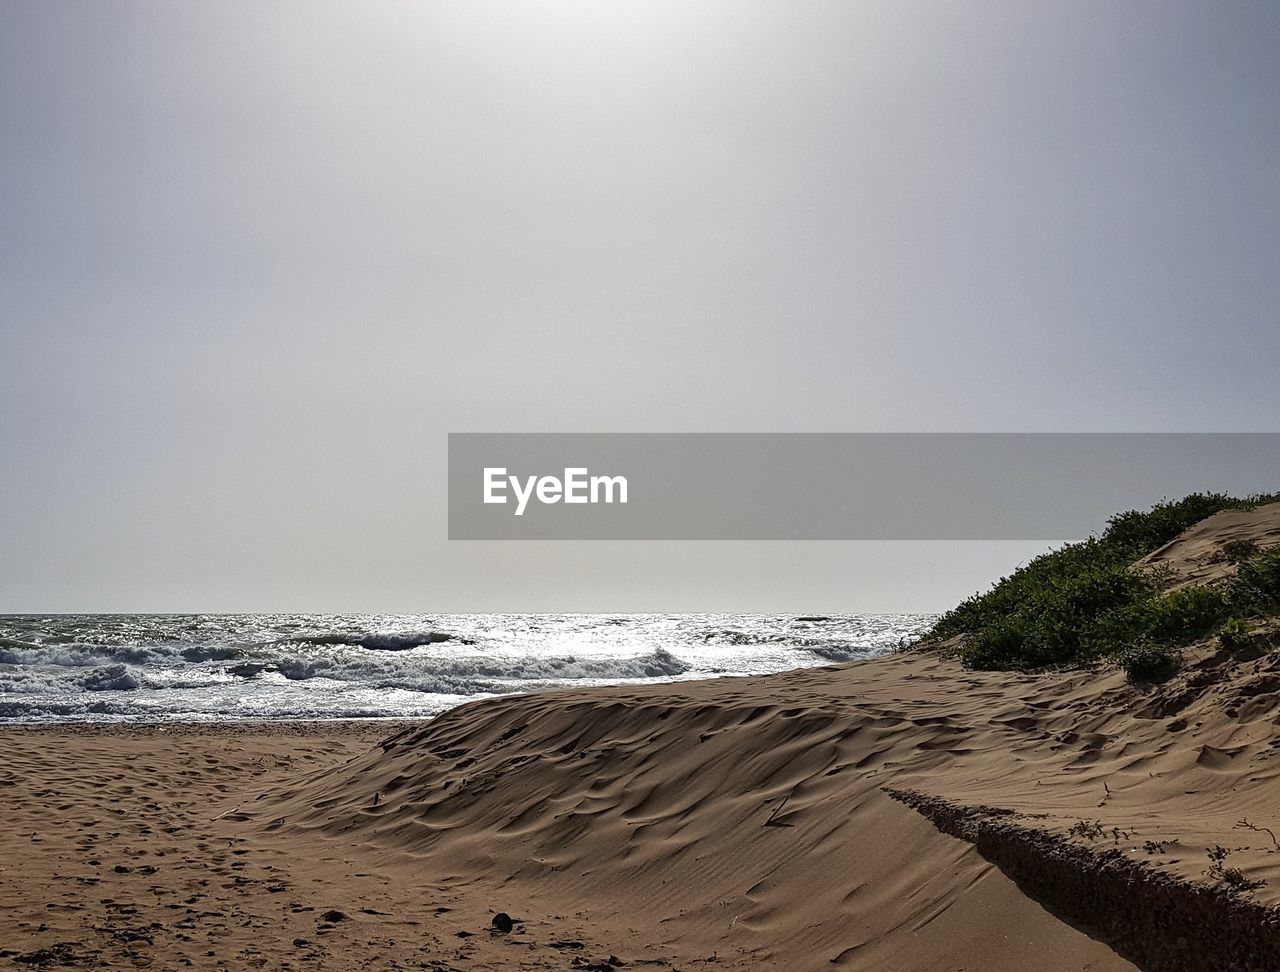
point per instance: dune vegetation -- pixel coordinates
(1093, 599)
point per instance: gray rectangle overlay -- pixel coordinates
(843, 486)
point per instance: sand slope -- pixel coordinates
(648, 814)
(1199, 555)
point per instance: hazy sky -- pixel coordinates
(257, 259)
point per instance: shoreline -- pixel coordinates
(228, 726)
(143, 668)
(756, 819)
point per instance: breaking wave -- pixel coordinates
(149, 667)
(380, 641)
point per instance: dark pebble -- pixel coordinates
(502, 922)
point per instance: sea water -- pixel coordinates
(146, 667)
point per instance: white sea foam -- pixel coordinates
(121, 667)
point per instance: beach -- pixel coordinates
(659, 487)
(760, 822)
(907, 811)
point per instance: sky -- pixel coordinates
(257, 260)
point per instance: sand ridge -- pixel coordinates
(747, 818)
(740, 818)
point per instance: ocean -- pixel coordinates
(216, 667)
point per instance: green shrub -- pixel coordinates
(1056, 619)
(1148, 531)
(1146, 662)
(1235, 634)
(998, 646)
(1236, 551)
(1257, 582)
(1048, 577)
(1186, 615)
(1084, 600)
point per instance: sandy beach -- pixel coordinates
(903, 813)
(731, 823)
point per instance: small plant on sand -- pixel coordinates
(1089, 829)
(1155, 846)
(1247, 824)
(1230, 878)
(1236, 551)
(1147, 662)
(1235, 634)
(1092, 830)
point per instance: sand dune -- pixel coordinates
(661, 812)
(733, 823)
